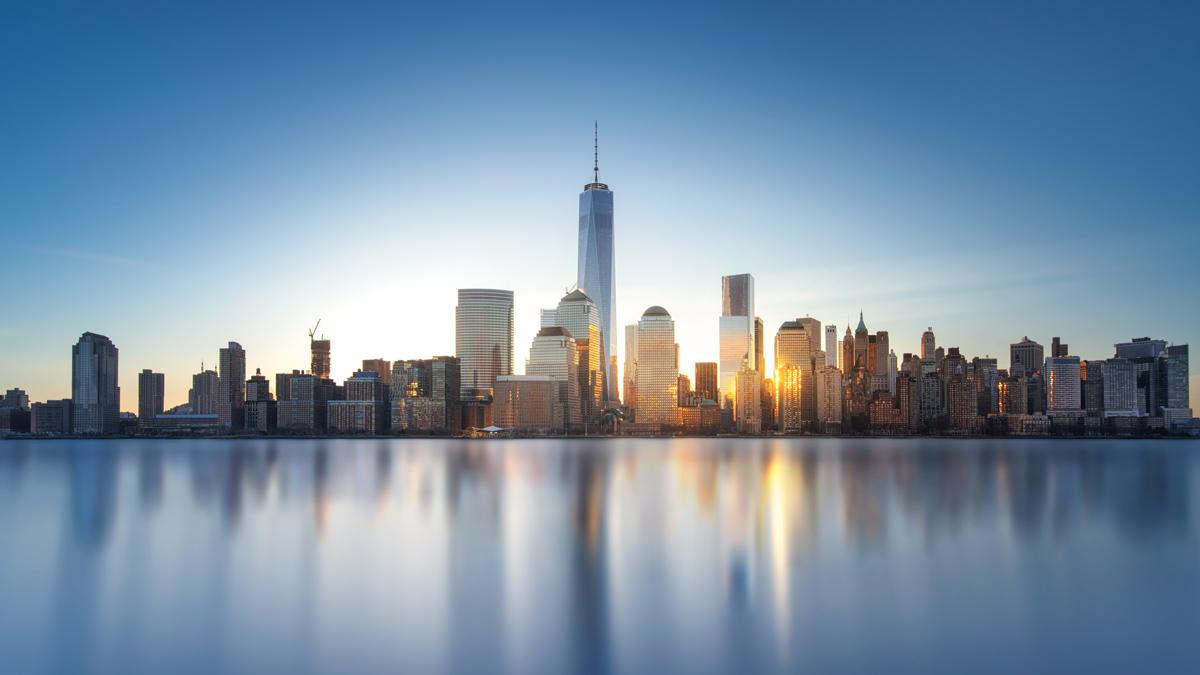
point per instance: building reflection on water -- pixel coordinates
(510, 555)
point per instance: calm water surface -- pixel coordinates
(529, 556)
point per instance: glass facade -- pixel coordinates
(483, 338)
(95, 395)
(657, 368)
(597, 269)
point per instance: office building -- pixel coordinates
(683, 391)
(793, 349)
(1092, 387)
(747, 404)
(1119, 377)
(554, 354)
(1058, 348)
(580, 318)
(759, 364)
(15, 398)
(829, 399)
(629, 384)
(527, 403)
(597, 266)
(658, 368)
(1062, 380)
(928, 344)
(261, 410)
(706, 381)
(790, 383)
(51, 417)
(1012, 398)
(95, 394)
(831, 346)
(424, 395)
(231, 387)
(151, 389)
(736, 332)
(1140, 348)
(483, 339)
(381, 367)
(1025, 357)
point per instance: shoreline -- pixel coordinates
(297, 437)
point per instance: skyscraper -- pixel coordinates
(706, 381)
(320, 357)
(151, 388)
(381, 367)
(202, 397)
(658, 368)
(760, 365)
(554, 354)
(95, 396)
(928, 344)
(1062, 378)
(231, 387)
(483, 339)
(797, 400)
(1025, 357)
(579, 316)
(831, 346)
(597, 267)
(629, 384)
(736, 331)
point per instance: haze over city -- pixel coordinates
(179, 179)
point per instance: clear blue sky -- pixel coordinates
(178, 175)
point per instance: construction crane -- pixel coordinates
(312, 332)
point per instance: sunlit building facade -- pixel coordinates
(483, 339)
(1062, 378)
(706, 381)
(554, 354)
(580, 318)
(736, 332)
(657, 369)
(597, 267)
(526, 403)
(629, 384)
(231, 387)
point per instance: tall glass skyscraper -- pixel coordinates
(736, 331)
(483, 339)
(95, 396)
(597, 267)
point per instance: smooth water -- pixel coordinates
(614, 555)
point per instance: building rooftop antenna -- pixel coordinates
(596, 151)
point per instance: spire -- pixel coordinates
(862, 327)
(596, 151)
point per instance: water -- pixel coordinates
(530, 556)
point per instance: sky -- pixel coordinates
(179, 175)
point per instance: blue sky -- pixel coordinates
(179, 175)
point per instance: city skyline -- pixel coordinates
(1036, 218)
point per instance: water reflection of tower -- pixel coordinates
(589, 588)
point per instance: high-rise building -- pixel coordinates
(760, 364)
(381, 367)
(747, 408)
(928, 344)
(597, 266)
(658, 368)
(1012, 398)
(483, 339)
(1174, 378)
(15, 398)
(554, 354)
(1062, 379)
(706, 381)
(151, 389)
(847, 352)
(793, 349)
(629, 385)
(1058, 348)
(95, 395)
(831, 346)
(1092, 387)
(261, 410)
(321, 359)
(863, 355)
(829, 398)
(547, 318)
(1025, 357)
(683, 390)
(1119, 377)
(527, 403)
(424, 394)
(1140, 348)
(736, 331)
(231, 387)
(202, 397)
(579, 316)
